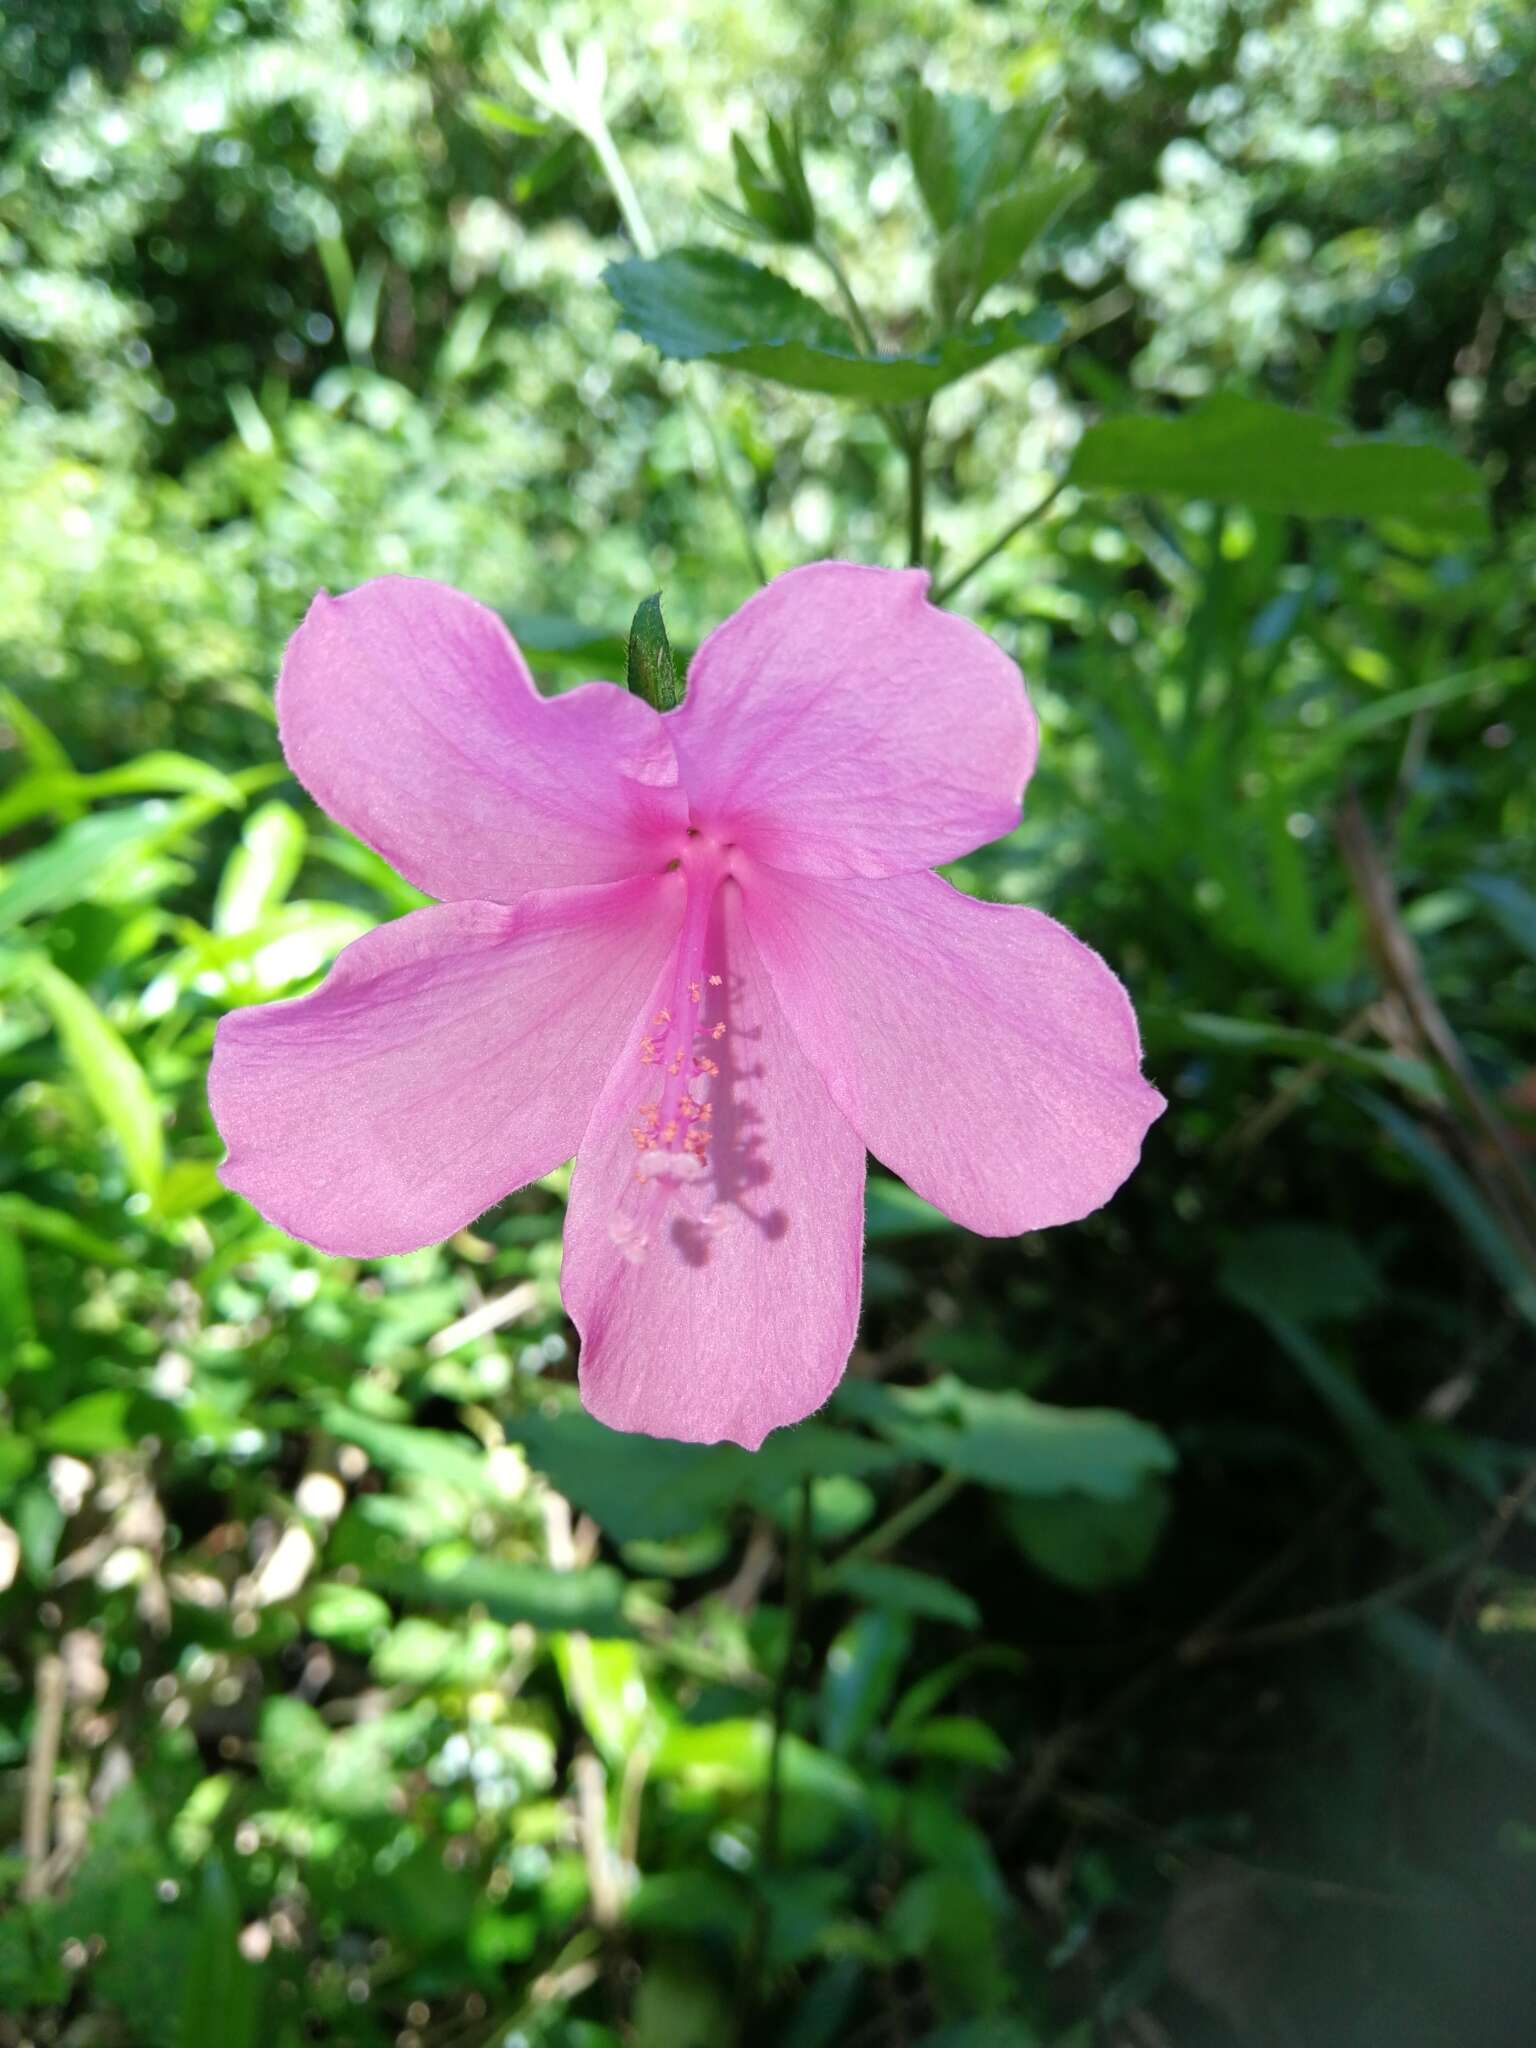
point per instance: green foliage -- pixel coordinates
(1158, 1663)
(706, 303)
(1243, 451)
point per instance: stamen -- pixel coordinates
(673, 1131)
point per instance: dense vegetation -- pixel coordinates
(1139, 1649)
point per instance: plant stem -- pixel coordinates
(600, 136)
(964, 574)
(797, 1574)
(905, 1520)
(916, 482)
(851, 306)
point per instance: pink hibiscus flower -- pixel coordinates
(701, 952)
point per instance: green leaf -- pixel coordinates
(891, 1210)
(1384, 1453)
(1246, 451)
(351, 1615)
(1512, 906)
(96, 1422)
(1456, 1192)
(958, 1739)
(41, 748)
(18, 1326)
(695, 303)
(559, 639)
(261, 870)
(424, 1454)
(496, 114)
(1306, 1271)
(964, 150)
(982, 250)
(1286, 1041)
(863, 1664)
(64, 790)
(1090, 1544)
(1448, 1673)
(52, 1226)
(648, 1488)
(649, 672)
(589, 1600)
(106, 1069)
(1011, 1442)
(77, 859)
(906, 1591)
(222, 1996)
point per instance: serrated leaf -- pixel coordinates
(1247, 451)
(980, 252)
(964, 150)
(705, 303)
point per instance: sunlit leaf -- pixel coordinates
(108, 1072)
(1247, 451)
(261, 870)
(706, 303)
(964, 150)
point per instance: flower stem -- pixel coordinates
(916, 488)
(964, 574)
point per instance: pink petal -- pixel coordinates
(407, 712)
(839, 725)
(446, 1059)
(981, 1051)
(724, 1307)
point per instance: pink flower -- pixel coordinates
(701, 952)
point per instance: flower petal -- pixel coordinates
(407, 712)
(446, 1059)
(723, 1307)
(982, 1052)
(839, 724)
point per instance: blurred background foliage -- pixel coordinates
(1139, 1650)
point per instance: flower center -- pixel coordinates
(673, 1124)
